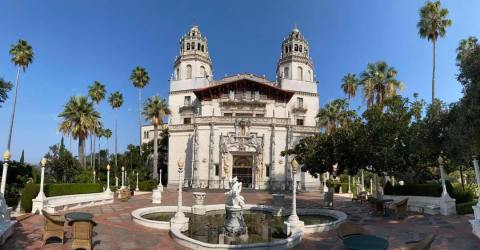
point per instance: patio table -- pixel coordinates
(76, 216)
(385, 203)
(365, 242)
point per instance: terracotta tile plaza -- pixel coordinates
(116, 230)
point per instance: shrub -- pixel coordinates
(72, 188)
(146, 185)
(344, 187)
(29, 192)
(461, 196)
(466, 208)
(388, 188)
(430, 189)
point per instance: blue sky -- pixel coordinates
(78, 42)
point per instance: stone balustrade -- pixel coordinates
(421, 204)
(65, 202)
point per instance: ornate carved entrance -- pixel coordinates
(243, 169)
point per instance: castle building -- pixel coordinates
(239, 125)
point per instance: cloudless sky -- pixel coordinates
(78, 42)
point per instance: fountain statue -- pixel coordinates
(234, 227)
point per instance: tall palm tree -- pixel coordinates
(349, 86)
(116, 101)
(98, 132)
(154, 110)
(22, 57)
(379, 83)
(5, 86)
(79, 119)
(334, 115)
(433, 24)
(465, 47)
(107, 133)
(96, 92)
(140, 79)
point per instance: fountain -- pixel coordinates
(234, 227)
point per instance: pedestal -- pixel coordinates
(476, 222)
(447, 205)
(156, 196)
(37, 205)
(180, 222)
(291, 227)
(199, 199)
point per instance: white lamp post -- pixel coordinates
(94, 173)
(160, 186)
(349, 189)
(293, 218)
(137, 189)
(363, 182)
(6, 159)
(108, 179)
(179, 215)
(123, 178)
(442, 175)
(41, 194)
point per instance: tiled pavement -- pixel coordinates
(116, 230)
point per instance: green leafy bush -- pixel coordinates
(72, 188)
(146, 185)
(466, 208)
(430, 189)
(344, 187)
(29, 192)
(461, 196)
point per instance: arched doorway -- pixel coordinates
(243, 169)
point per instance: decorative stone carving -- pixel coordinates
(199, 199)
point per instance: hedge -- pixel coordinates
(466, 208)
(431, 189)
(31, 191)
(146, 185)
(345, 187)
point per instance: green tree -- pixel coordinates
(379, 83)
(22, 57)
(335, 114)
(432, 25)
(466, 47)
(79, 119)
(140, 79)
(96, 92)
(5, 86)
(107, 133)
(61, 166)
(154, 110)
(350, 85)
(116, 101)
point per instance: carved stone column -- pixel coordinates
(211, 169)
(272, 155)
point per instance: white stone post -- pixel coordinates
(37, 203)
(363, 182)
(116, 181)
(123, 178)
(160, 186)
(6, 159)
(371, 186)
(94, 174)
(349, 189)
(447, 204)
(108, 179)
(179, 220)
(137, 189)
(294, 224)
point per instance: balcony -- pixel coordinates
(299, 110)
(187, 109)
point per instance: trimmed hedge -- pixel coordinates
(466, 208)
(31, 191)
(432, 189)
(345, 187)
(146, 185)
(73, 188)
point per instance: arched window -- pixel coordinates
(296, 47)
(188, 46)
(189, 72)
(285, 72)
(310, 76)
(203, 47)
(177, 76)
(299, 73)
(202, 72)
(198, 46)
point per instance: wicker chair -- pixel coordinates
(424, 244)
(362, 196)
(53, 227)
(347, 229)
(82, 234)
(401, 208)
(376, 205)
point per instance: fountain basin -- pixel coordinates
(316, 220)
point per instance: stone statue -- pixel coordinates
(234, 199)
(234, 227)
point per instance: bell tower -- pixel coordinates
(193, 67)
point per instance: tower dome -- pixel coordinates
(295, 62)
(194, 61)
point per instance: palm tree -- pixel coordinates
(79, 119)
(98, 134)
(465, 47)
(22, 57)
(96, 92)
(107, 133)
(140, 79)
(433, 24)
(155, 109)
(116, 101)
(379, 83)
(349, 85)
(334, 115)
(5, 86)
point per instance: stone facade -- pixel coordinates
(239, 125)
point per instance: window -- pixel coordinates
(286, 49)
(188, 46)
(231, 95)
(290, 47)
(296, 47)
(299, 73)
(300, 122)
(145, 134)
(300, 49)
(217, 169)
(285, 72)
(202, 72)
(267, 170)
(227, 114)
(310, 75)
(257, 95)
(187, 101)
(187, 120)
(244, 114)
(193, 45)
(189, 72)
(199, 46)
(259, 115)
(299, 102)
(203, 47)
(178, 74)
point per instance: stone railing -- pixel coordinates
(66, 202)
(426, 204)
